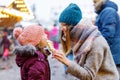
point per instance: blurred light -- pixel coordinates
(18, 2)
(14, 12)
(19, 6)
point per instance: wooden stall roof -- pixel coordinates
(13, 13)
(9, 17)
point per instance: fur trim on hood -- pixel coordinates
(26, 50)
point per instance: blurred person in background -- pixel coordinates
(47, 32)
(92, 55)
(108, 23)
(31, 55)
(5, 42)
(1, 46)
(54, 33)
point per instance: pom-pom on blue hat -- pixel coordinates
(71, 15)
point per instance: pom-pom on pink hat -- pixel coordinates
(29, 35)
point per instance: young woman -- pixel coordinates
(92, 55)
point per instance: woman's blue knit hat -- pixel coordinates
(71, 15)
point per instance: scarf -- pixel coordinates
(83, 36)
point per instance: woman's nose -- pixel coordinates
(63, 28)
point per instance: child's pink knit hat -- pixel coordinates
(29, 35)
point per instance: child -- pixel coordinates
(31, 55)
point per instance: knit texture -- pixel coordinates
(30, 35)
(71, 15)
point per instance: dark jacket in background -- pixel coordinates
(108, 22)
(5, 42)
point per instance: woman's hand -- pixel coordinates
(60, 56)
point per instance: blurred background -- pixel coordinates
(14, 13)
(46, 12)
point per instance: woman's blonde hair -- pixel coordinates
(66, 45)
